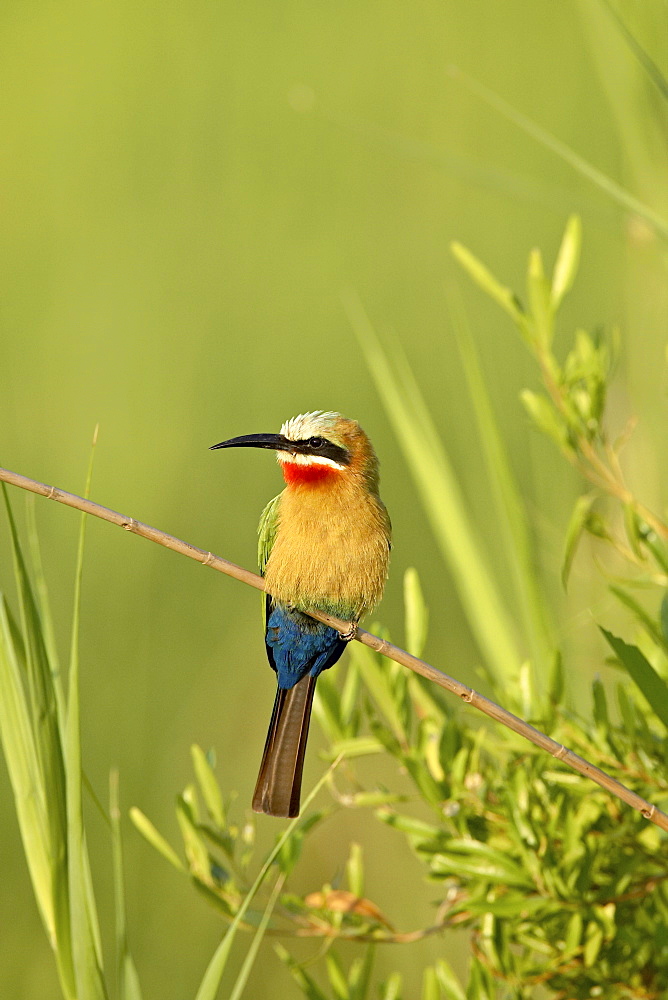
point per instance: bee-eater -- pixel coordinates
(324, 545)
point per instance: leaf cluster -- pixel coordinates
(570, 408)
(559, 886)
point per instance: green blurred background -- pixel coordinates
(186, 189)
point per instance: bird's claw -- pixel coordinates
(349, 633)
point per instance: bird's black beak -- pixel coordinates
(277, 442)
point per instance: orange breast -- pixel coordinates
(331, 549)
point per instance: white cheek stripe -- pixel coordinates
(286, 456)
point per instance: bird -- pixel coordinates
(324, 544)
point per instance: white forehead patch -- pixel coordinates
(308, 425)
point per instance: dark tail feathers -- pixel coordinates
(279, 782)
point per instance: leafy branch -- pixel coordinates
(557, 885)
(571, 409)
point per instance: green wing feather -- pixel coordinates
(267, 530)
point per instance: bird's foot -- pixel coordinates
(350, 633)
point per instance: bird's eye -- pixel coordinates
(316, 442)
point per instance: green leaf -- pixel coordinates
(307, 985)
(567, 262)
(86, 945)
(350, 694)
(583, 362)
(359, 976)
(478, 986)
(484, 278)
(643, 674)
(415, 613)
(430, 986)
(606, 917)
(208, 786)
(44, 607)
(431, 789)
(391, 988)
(632, 528)
(510, 904)
(664, 616)
(193, 841)
(355, 870)
(576, 526)
(128, 980)
(474, 858)
(512, 528)
(337, 977)
(592, 943)
(358, 746)
(538, 289)
(155, 839)
(657, 548)
(614, 191)
(573, 934)
(627, 711)
(600, 704)
(20, 752)
(546, 418)
(450, 985)
(416, 830)
(429, 748)
(327, 708)
(290, 852)
(653, 630)
(376, 675)
(36, 689)
(556, 683)
(251, 954)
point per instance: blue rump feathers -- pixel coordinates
(298, 645)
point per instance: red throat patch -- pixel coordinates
(296, 474)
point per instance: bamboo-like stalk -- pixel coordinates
(467, 694)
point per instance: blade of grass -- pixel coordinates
(646, 620)
(38, 673)
(377, 679)
(50, 645)
(251, 954)
(44, 607)
(416, 613)
(214, 972)
(441, 496)
(650, 67)
(643, 674)
(47, 747)
(209, 787)
(86, 945)
(511, 521)
(25, 774)
(606, 184)
(307, 985)
(128, 980)
(155, 839)
(360, 975)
